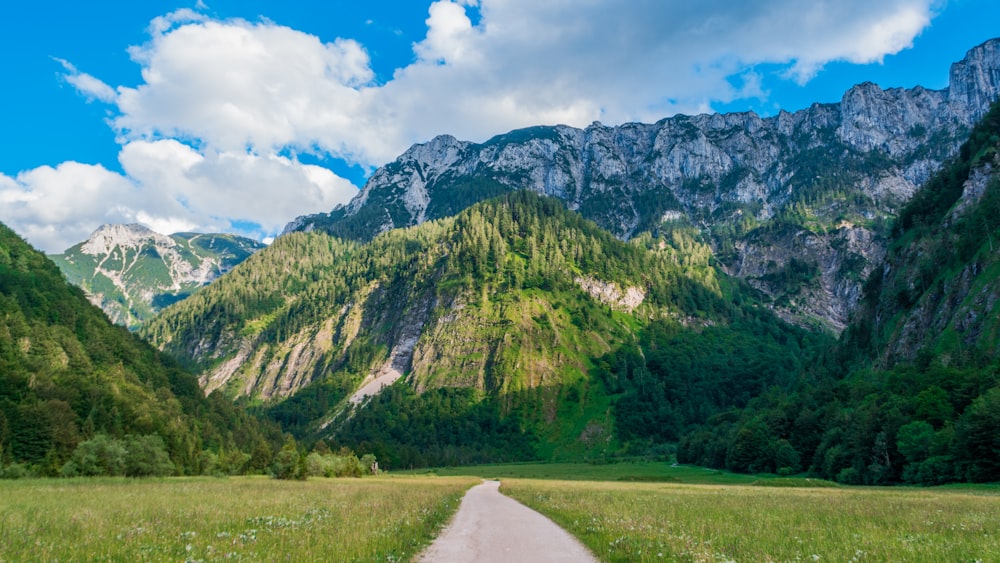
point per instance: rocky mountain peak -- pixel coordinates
(442, 150)
(132, 235)
(975, 80)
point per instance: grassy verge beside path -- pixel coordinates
(241, 519)
(708, 523)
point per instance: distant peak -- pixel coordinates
(130, 235)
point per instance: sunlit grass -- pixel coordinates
(707, 523)
(241, 519)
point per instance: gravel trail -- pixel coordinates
(490, 527)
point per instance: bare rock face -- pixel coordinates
(832, 173)
(975, 80)
(612, 295)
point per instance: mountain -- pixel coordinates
(800, 197)
(69, 377)
(131, 272)
(478, 337)
(910, 393)
(938, 295)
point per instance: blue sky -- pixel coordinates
(239, 115)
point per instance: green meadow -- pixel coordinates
(622, 521)
(233, 519)
(623, 512)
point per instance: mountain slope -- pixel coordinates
(939, 295)
(816, 185)
(132, 272)
(67, 375)
(492, 319)
(910, 394)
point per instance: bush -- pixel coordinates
(146, 456)
(936, 470)
(849, 476)
(289, 463)
(15, 471)
(135, 456)
(100, 455)
(342, 464)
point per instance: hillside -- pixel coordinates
(910, 393)
(132, 272)
(799, 198)
(491, 324)
(67, 376)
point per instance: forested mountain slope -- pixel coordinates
(796, 204)
(494, 320)
(67, 375)
(131, 272)
(911, 392)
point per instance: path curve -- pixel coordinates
(491, 527)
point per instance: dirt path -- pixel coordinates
(492, 527)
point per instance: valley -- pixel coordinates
(810, 294)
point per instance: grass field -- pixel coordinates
(710, 523)
(623, 471)
(238, 519)
(623, 512)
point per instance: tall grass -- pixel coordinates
(241, 519)
(670, 522)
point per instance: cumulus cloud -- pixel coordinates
(221, 100)
(52, 206)
(169, 187)
(236, 84)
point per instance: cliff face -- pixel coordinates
(815, 185)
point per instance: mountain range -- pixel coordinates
(131, 272)
(808, 192)
(814, 292)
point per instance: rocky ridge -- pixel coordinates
(815, 185)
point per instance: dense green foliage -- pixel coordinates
(135, 456)
(440, 427)
(676, 379)
(71, 383)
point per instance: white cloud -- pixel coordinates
(89, 86)
(235, 84)
(220, 100)
(53, 206)
(268, 190)
(169, 187)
